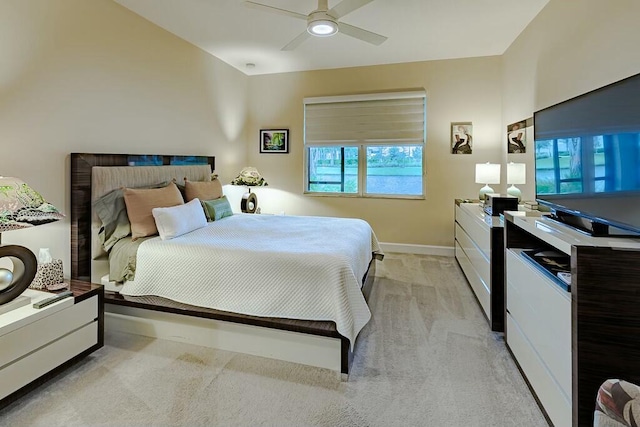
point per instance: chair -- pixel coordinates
(617, 405)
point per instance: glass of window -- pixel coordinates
(394, 170)
(333, 169)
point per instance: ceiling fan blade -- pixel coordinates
(347, 6)
(361, 34)
(276, 10)
(297, 41)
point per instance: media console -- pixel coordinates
(567, 342)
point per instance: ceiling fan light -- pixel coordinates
(322, 28)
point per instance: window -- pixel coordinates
(365, 145)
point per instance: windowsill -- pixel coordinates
(366, 196)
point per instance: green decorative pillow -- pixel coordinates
(115, 223)
(217, 209)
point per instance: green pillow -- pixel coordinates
(112, 212)
(217, 209)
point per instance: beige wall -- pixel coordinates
(91, 76)
(571, 47)
(457, 90)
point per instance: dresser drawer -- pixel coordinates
(38, 363)
(34, 335)
(555, 401)
(480, 261)
(477, 229)
(542, 311)
(480, 288)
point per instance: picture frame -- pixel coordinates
(461, 138)
(517, 134)
(274, 141)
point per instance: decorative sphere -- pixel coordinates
(251, 205)
(6, 277)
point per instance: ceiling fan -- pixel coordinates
(324, 22)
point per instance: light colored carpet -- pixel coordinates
(427, 358)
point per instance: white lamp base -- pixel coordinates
(484, 191)
(515, 192)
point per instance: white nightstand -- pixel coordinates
(35, 342)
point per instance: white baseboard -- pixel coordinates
(405, 248)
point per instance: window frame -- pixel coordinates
(363, 145)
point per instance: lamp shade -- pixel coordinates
(250, 177)
(487, 173)
(516, 173)
(22, 207)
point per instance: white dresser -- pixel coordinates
(479, 250)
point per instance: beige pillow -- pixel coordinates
(205, 190)
(140, 202)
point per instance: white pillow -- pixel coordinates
(178, 220)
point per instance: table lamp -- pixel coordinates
(487, 173)
(20, 207)
(516, 174)
(250, 177)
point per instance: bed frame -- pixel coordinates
(315, 343)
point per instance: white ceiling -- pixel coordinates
(417, 30)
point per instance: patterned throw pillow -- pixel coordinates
(617, 402)
(217, 209)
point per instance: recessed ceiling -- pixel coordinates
(417, 30)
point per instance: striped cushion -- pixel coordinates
(620, 402)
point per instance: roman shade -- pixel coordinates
(393, 117)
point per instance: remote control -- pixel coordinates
(48, 301)
(565, 277)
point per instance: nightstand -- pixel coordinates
(38, 343)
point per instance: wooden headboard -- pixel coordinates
(81, 164)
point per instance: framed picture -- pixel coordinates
(274, 140)
(461, 138)
(517, 136)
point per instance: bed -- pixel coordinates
(275, 309)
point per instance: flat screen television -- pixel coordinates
(587, 159)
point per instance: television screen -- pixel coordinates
(587, 155)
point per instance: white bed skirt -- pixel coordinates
(313, 350)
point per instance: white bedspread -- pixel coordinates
(295, 267)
